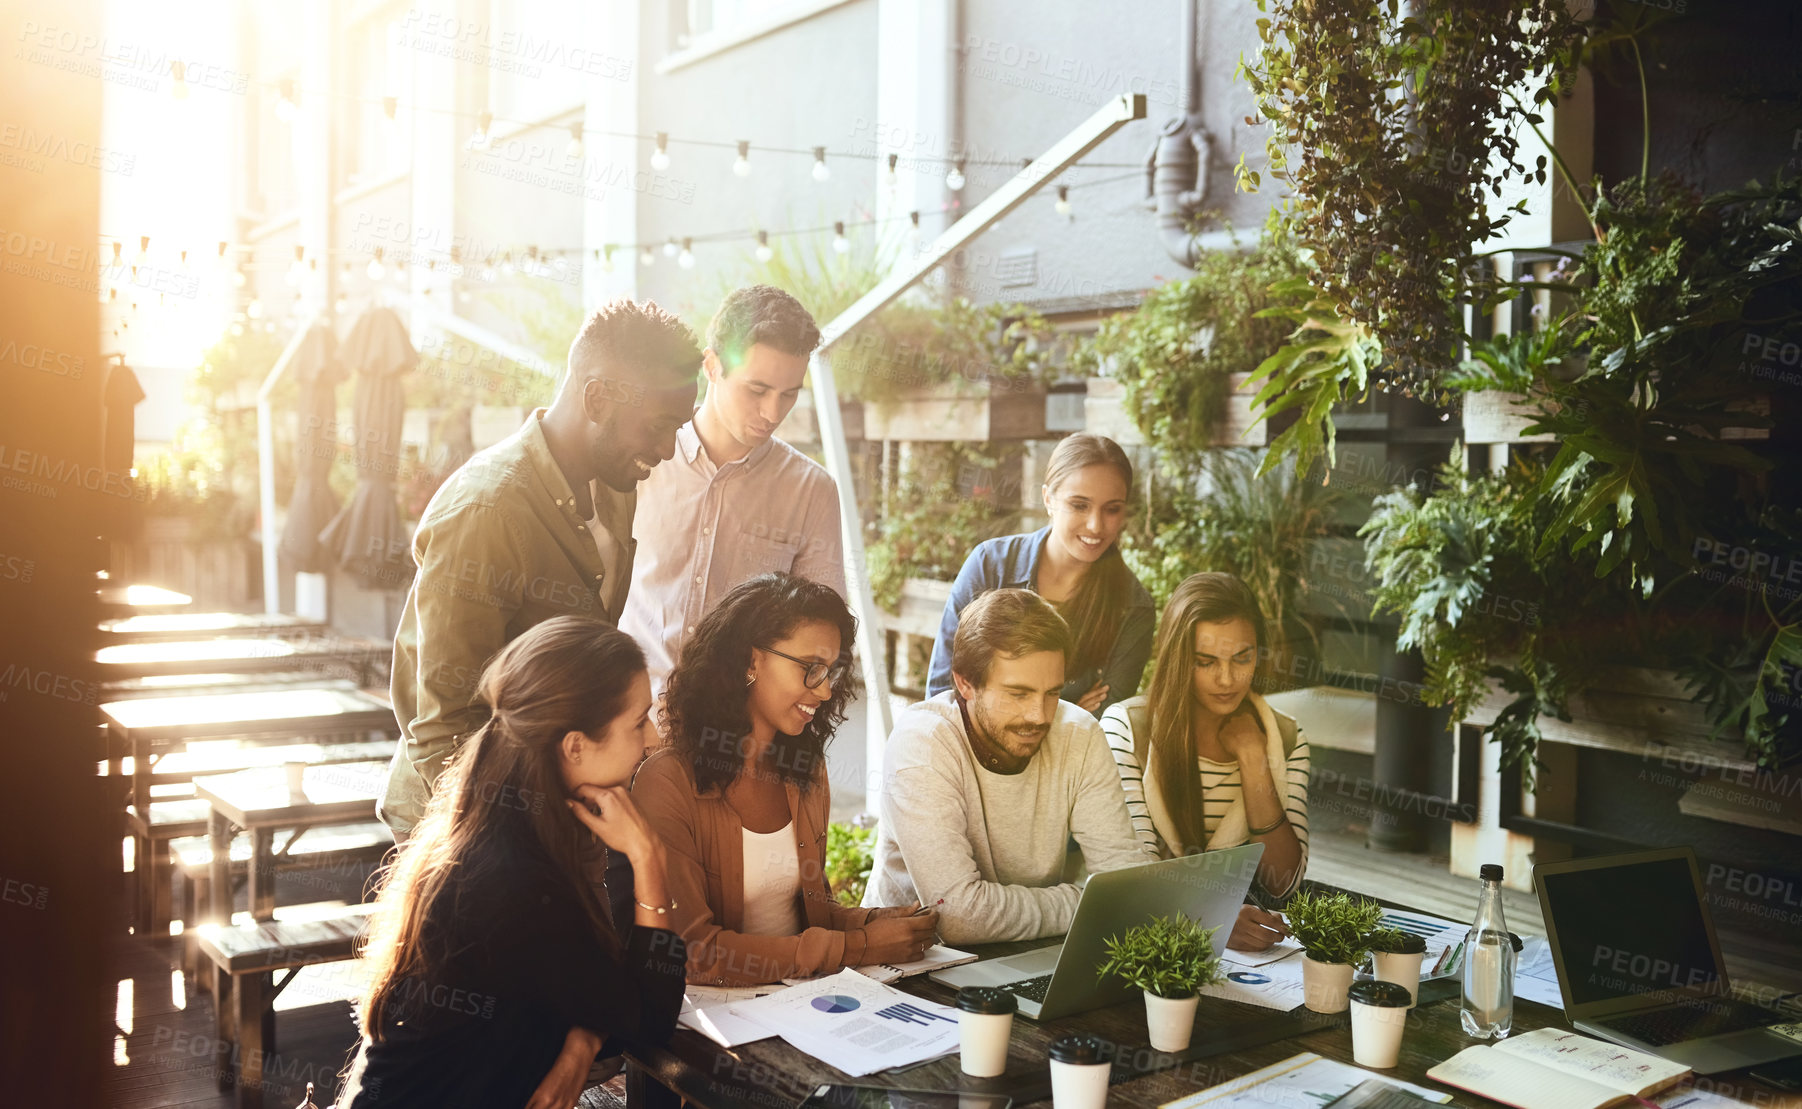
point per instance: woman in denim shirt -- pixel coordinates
(1075, 564)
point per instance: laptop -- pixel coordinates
(1639, 963)
(1059, 980)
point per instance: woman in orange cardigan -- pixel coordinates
(740, 798)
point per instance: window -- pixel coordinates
(374, 147)
(723, 17)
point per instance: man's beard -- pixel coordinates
(989, 736)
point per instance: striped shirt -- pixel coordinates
(1220, 786)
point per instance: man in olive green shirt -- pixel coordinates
(535, 526)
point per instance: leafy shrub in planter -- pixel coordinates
(850, 856)
(1169, 956)
(1333, 927)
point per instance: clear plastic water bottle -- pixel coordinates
(1488, 1008)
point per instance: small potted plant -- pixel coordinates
(1170, 958)
(1333, 930)
(1395, 956)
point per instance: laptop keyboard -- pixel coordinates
(1662, 1027)
(1033, 989)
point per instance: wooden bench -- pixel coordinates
(243, 958)
(324, 848)
(177, 818)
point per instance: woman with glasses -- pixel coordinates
(739, 796)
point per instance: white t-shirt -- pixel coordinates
(772, 883)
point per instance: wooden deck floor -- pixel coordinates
(163, 1037)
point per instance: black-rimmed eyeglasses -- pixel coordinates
(817, 672)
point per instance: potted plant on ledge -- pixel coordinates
(1333, 930)
(1170, 958)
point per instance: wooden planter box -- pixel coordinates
(1105, 414)
(1635, 711)
(220, 574)
(1495, 417)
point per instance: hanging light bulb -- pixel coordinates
(376, 270)
(955, 179)
(821, 171)
(508, 269)
(240, 278)
(764, 253)
(894, 175)
(670, 248)
(254, 309)
(297, 269)
(479, 139)
(390, 108)
(913, 219)
(647, 257)
(179, 87)
(488, 269)
(660, 156)
(840, 244)
(1062, 207)
(143, 251)
(184, 261)
(606, 257)
(287, 107)
(573, 152)
(339, 304)
(687, 258)
(741, 166)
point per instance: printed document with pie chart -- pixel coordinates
(856, 1024)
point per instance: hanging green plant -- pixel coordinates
(1176, 354)
(1385, 129)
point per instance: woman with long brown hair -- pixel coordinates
(1074, 562)
(1206, 763)
(495, 973)
(740, 795)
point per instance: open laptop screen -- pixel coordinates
(1632, 929)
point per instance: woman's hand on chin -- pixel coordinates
(609, 813)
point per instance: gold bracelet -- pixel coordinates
(653, 908)
(1280, 821)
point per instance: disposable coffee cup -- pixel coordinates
(1402, 967)
(1379, 1011)
(1079, 1072)
(985, 1020)
(296, 778)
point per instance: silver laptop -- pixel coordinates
(1639, 964)
(1057, 981)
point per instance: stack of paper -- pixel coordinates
(855, 1023)
(1269, 979)
(1305, 1079)
(708, 1010)
(1445, 940)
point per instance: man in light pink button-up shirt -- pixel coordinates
(735, 501)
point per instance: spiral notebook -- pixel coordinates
(937, 957)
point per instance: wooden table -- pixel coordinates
(202, 625)
(357, 657)
(146, 727)
(1231, 1039)
(263, 802)
(140, 600)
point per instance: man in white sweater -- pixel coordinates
(985, 785)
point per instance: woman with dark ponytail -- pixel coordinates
(1074, 563)
(496, 976)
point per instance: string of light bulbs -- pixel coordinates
(957, 165)
(507, 260)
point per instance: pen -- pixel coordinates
(924, 909)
